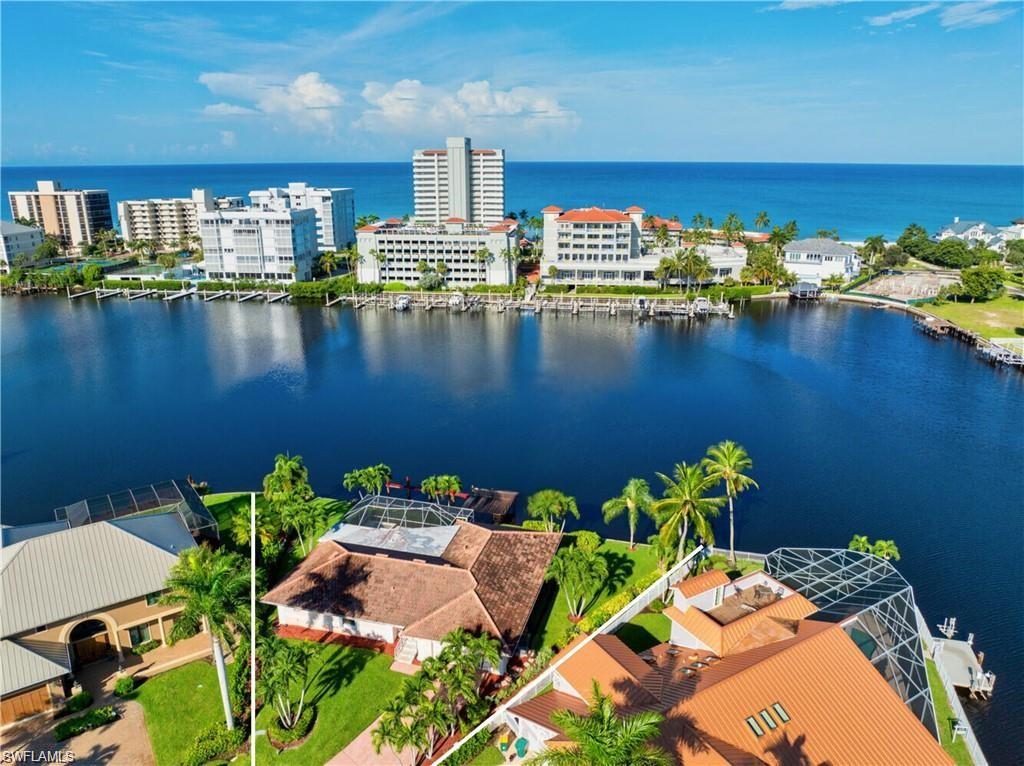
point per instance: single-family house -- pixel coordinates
(816, 259)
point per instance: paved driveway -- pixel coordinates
(360, 753)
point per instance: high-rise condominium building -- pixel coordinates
(459, 182)
(167, 221)
(277, 245)
(335, 210)
(75, 216)
(17, 240)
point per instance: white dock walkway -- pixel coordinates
(961, 664)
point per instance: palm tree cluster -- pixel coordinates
(285, 676)
(448, 690)
(290, 501)
(367, 481)
(441, 485)
(606, 737)
(551, 507)
(212, 588)
(686, 506)
(578, 571)
(885, 549)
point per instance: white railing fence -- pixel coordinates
(930, 643)
(628, 612)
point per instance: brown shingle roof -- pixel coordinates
(486, 581)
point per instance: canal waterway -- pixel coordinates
(857, 423)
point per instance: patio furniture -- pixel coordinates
(521, 747)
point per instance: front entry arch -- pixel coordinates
(89, 641)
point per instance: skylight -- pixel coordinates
(767, 718)
(781, 712)
(755, 726)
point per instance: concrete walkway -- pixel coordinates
(360, 752)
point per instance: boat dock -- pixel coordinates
(498, 504)
(961, 664)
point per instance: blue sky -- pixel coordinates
(816, 81)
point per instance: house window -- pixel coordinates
(152, 598)
(138, 635)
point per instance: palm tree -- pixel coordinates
(886, 549)
(834, 282)
(328, 262)
(442, 269)
(732, 228)
(366, 220)
(578, 573)
(605, 737)
(550, 506)
(353, 258)
(680, 265)
(483, 257)
(726, 462)
(778, 239)
(873, 249)
(762, 221)
(686, 502)
(382, 262)
(701, 270)
(212, 588)
(634, 500)
(860, 544)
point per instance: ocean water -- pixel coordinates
(857, 424)
(858, 200)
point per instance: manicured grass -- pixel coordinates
(179, 704)
(645, 630)
(349, 690)
(945, 719)
(1001, 317)
(224, 506)
(551, 615)
(742, 566)
(491, 756)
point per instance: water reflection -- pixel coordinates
(245, 343)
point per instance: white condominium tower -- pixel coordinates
(335, 210)
(75, 216)
(459, 182)
(166, 221)
(275, 245)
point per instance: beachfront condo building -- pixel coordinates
(598, 246)
(462, 253)
(18, 242)
(168, 221)
(816, 259)
(459, 182)
(274, 245)
(335, 210)
(74, 216)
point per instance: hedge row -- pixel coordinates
(212, 742)
(470, 749)
(91, 720)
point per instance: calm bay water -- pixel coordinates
(856, 422)
(859, 200)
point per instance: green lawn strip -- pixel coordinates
(551, 615)
(179, 704)
(742, 566)
(349, 690)
(224, 506)
(1001, 317)
(945, 719)
(645, 630)
(491, 756)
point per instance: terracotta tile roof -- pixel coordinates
(655, 222)
(841, 710)
(634, 209)
(454, 219)
(393, 220)
(367, 228)
(594, 215)
(722, 639)
(485, 580)
(483, 151)
(539, 709)
(551, 209)
(692, 586)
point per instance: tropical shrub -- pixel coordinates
(124, 686)
(533, 525)
(145, 646)
(540, 661)
(470, 749)
(78, 703)
(93, 719)
(301, 728)
(212, 742)
(587, 540)
(397, 287)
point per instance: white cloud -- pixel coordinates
(970, 15)
(801, 5)
(227, 138)
(897, 16)
(223, 109)
(97, 54)
(307, 102)
(409, 106)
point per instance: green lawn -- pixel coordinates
(349, 691)
(491, 756)
(645, 630)
(945, 719)
(224, 506)
(551, 615)
(179, 704)
(742, 567)
(1001, 317)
